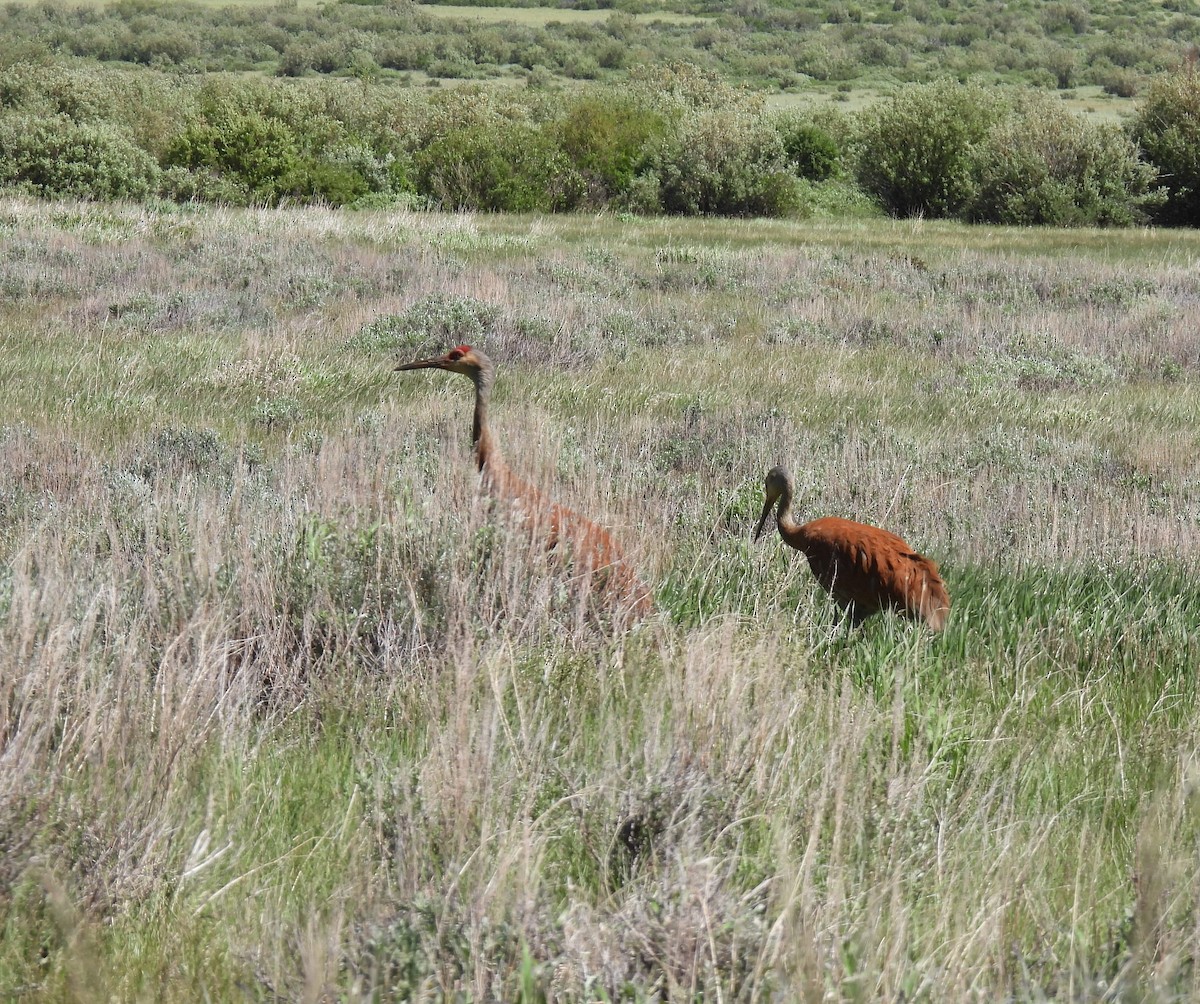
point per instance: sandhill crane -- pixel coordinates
(865, 569)
(592, 548)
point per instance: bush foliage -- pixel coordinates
(502, 167)
(915, 150)
(57, 156)
(719, 154)
(675, 140)
(811, 151)
(1044, 165)
(680, 142)
(607, 138)
(1167, 128)
(1000, 156)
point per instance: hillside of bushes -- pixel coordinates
(672, 140)
(782, 44)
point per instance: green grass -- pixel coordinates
(1092, 102)
(286, 712)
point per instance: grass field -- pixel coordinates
(1091, 102)
(285, 713)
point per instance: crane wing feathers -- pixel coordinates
(573, 536)
(871, 569)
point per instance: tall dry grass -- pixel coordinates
(286, 713)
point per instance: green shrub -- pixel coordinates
(811, 152)
(605, 135)
(719, 156)
(581, 68)
(316, 180)
(451, 69)
(915, 150)
(296, 60)
(824, 59)
(717, 151)
(1043, 164)
(275, 142)
(58, 157)
(160, 44)
(145, 106)
(837, 198)
(642, 196)
(725, 162)
(1120, 82)
(676, 88)
(260, 154)
(53, 89)
(432, 323)
(498, 166)
(181, 185)
(1167, 128)
(383, 168)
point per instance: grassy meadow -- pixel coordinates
(1091, 102)
(287, 714)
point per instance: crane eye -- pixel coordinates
(455, 356)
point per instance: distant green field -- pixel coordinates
(1092, 102)
(541, 16)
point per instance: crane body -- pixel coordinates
(592, 548)
(864, 568)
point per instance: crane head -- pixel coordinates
(463, 359)
(777, 484)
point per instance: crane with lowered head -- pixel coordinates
(865, 569)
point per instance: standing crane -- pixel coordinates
(592, 547)
(865, 569)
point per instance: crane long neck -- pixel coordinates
(481, 436)
(783, 511)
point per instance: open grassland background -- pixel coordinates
(1091, 102)
(285, 714)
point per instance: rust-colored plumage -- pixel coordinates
(592, 548)
(865, 569)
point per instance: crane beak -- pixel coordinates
(422, 364)
(762, 520)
